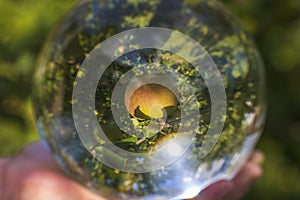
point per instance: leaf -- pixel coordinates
(152, 129)
(132, 139)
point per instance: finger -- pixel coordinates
(33, 175)
(257, 157)
(236, 188)
(3, 163)
(48, 185)
(38, 154)
(244, 180)
(248, 175)
(216, 191)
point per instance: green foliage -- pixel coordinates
(275, 25)
(24, 26)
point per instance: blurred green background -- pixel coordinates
(275, 25)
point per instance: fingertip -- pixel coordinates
(258, 157)
(255, 170)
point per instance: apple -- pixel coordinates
(150, 100)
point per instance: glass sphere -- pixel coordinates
(150, 99)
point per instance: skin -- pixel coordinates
(35, 176)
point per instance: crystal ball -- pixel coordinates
(150, 99)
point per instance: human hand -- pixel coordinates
(236, 188)
(33, 175)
